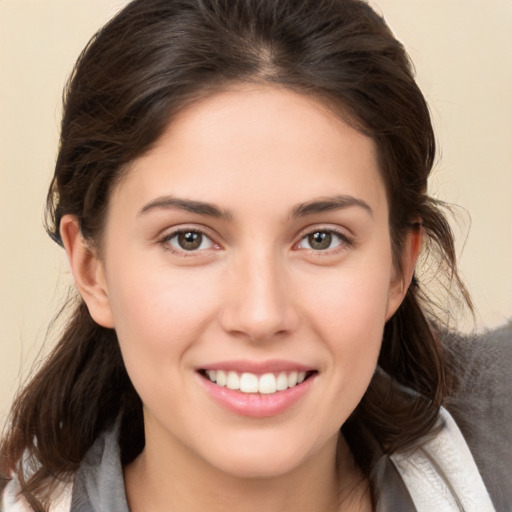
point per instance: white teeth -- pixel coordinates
(233, 381)
(292, 379)
(221, 378)
(265, 384)
(249, 383)
(282, 382)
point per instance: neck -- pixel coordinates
(157, 481)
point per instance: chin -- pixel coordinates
(258, 468)
(264, 458)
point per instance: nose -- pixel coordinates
(259, 302)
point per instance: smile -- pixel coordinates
(257, 390)
(266, 384)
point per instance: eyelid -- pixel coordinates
(168, 234)
(346, 239)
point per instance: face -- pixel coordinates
(247, 270)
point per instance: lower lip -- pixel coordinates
(257, 405)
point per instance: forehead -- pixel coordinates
(256, 142)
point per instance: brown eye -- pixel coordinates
(188, 241)
(324, 240)
(320, 240)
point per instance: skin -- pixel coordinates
(255, 290)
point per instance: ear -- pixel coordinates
(88, 271)
(401, 280)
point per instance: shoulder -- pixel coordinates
(482, 404)
(97, 484)
(440, 473)
(11, 502)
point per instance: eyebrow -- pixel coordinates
(174, 203)
(315, 206)
(327, 204)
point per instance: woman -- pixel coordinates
(241, 193)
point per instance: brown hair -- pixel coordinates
(136, 73)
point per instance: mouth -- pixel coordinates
(251, 383)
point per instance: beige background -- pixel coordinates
(463, 54)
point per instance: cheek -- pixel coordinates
(351, 300)
(157, 310)
(159, 315)
(348, 311)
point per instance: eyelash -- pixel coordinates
(165, 240)
(344, 241)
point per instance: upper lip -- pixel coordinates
(258, 367)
